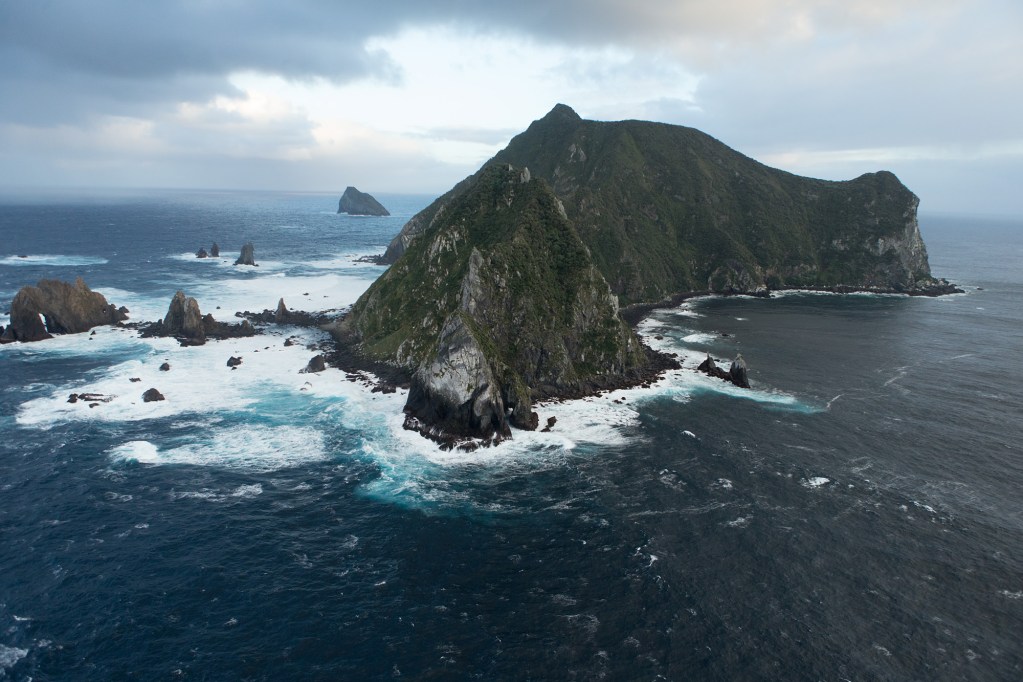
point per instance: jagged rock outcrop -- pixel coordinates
(201, 253)
(215, 251)
(185, 322)
(497, 304)
(666, 209)
(57, 307)
(737, 373)
(354, 202)
(248, 255)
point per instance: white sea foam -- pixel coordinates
(699, 337)
(53, 260)
(10, 655)
(198, 383)
(815, 482)
(250, 447)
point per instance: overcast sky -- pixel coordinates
(411, 96)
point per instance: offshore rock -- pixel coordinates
(215, 251)
(152, 395)
(185, 322)
(248, 255)
(737, 373)
(318, 363)
(201, 253)
(354, 202)
(57, 307)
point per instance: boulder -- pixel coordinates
(233, 362)
(152, 395)
(248, 255)
(165, 367)
(317, 364)
(354, 202)
(56, 307)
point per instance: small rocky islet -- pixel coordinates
(524, 282)
(354, 202)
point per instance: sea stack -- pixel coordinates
(56, 307)
(354, 202)
(185, 322)
(248, 255)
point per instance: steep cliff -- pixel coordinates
(666, 209)
(495, 304)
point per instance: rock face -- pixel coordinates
(215, 251)
(318, 363)
(56, 307)
(496, 304)
(248, 255)
(185, 322)
(666, 209)
(354, 202)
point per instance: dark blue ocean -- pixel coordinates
(857, 515)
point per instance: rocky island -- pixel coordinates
(354, 202)
(506, 289)
(57, 307)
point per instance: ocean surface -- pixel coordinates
(857, 515)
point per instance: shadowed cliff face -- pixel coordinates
(666, 209)
(495, 304)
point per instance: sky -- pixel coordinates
(406, 96)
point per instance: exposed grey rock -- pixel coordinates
(152, 395)
(318, 363)
(56, 307)
(737, 373)
(165, 367)
(201, 253)
(185, 322)
(354, 202)
(456, 393)
(248, 255)
(233, 361)
(215, 251)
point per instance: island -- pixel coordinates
(520, 282)
(354, 202)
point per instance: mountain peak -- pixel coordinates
(562, 112)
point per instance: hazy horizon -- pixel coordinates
(408, 98)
